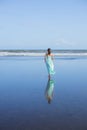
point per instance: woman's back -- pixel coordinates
(49, 62)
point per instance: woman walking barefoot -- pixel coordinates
(49, 62)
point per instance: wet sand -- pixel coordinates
(23, 102)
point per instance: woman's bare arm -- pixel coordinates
(52, 56)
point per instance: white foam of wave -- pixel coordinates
(70, 54)
(39, 54)
(20, 54)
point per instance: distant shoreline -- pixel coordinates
(43, 50)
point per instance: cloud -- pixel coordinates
(64, 43)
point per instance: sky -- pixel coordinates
(40, 24)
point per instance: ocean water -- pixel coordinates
(39, 52)
(24, 90)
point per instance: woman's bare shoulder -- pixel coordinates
(52, 54)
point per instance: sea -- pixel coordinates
(40, 52)
(30, 101)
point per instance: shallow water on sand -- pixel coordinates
(24, 90)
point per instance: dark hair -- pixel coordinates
(49, 51)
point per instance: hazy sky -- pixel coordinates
(39, 24)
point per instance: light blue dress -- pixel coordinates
(50, 65)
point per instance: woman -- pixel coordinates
(49, 62)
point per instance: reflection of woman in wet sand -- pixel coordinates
(49, 63)
(49, 90)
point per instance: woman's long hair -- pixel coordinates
(49, 51)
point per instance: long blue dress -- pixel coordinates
(50, 65)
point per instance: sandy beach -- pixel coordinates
(23, 103)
